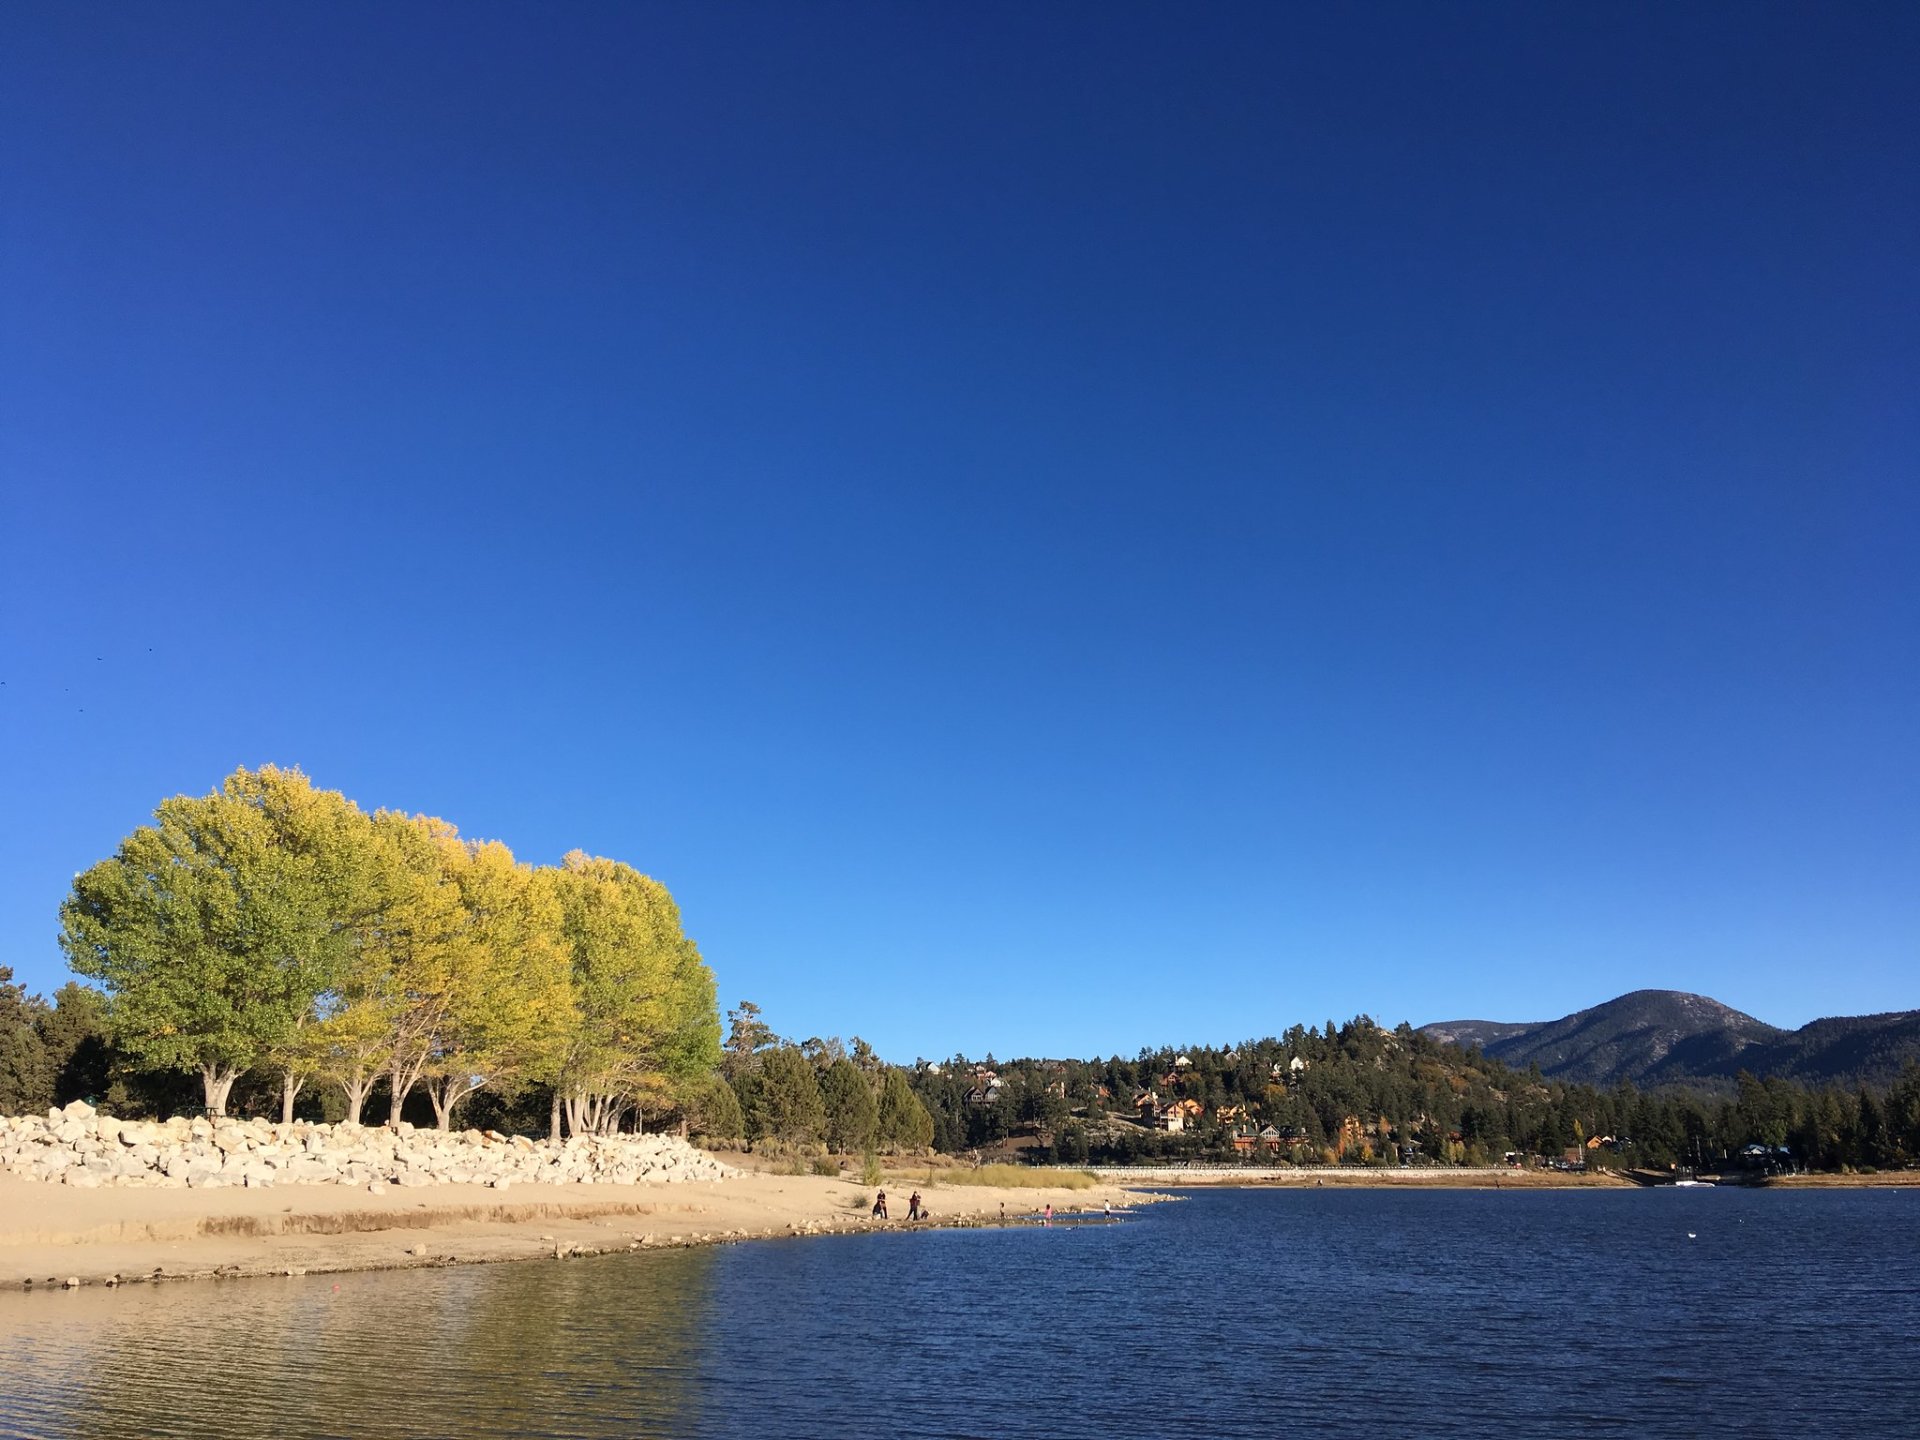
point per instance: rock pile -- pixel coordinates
(79, 1146)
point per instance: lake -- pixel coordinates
(1231, 1313)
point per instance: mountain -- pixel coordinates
(1668, 1037)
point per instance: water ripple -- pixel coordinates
(1238, 1313)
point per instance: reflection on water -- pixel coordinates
(1243, 1313)
(524, 1349)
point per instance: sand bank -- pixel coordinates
(1377, 1177)
(51, 1233)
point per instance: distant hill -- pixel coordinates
(1668, 1037)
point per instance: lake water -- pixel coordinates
(1233, 1313)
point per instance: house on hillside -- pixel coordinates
(1176, 1115)
(984, 1090)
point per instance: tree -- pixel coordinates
(851, 1111)
(785, 1103)
(26, 1070)
(74, 1031)
(713, 1110)
(211, 929)
(747, 1036)
(428, 951)
(904, 1123)
(643, 1022)
(508, 1000)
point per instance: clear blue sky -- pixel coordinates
(1049, 528)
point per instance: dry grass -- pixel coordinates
(1005, 1177)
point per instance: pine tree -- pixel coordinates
(850, 1107)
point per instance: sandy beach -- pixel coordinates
(52, 1233)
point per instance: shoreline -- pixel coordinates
(1424, 1178)
(1488, 1178)
(53, 1237)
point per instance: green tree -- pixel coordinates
(850, 1107)
(747, 1036)
(1903, 1113)
(26, 1069)
(211, 929)
(713, 1110)
(904, 1123)
(786, 1100)
(79, 1048)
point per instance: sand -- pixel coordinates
(1387, 1177)
(52, 1233)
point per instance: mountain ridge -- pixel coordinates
(1674, 1037)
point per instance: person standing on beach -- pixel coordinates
(913, 1206)
(880, 1205)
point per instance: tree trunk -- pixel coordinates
(215, 1083)
(356, 1086)
(396, 1098)
(553, 1129)
(446, 1093)
(290, 1088)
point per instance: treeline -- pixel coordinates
(275, 935)
(816, 1094)
(1359, 1093)
(54, 1051)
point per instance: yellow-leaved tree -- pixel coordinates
(644, 1020)
(509, 1001)
(421, 943)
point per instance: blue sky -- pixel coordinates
(1050, 529)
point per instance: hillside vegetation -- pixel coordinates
(1361, 1094)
